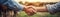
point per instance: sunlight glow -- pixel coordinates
(39, 0)
(42, 0)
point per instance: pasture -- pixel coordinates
(38, 14)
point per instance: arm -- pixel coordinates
(11, 4)
(52, 9)
(41, 9)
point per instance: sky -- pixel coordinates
(38, 0)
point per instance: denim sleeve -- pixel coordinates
(54, 8)
(13, 5)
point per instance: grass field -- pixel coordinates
(38, 14)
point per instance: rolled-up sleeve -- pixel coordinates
(54, 8)
(13, 5)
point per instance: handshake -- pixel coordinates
(30, 11)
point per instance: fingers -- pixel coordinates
(30, 11)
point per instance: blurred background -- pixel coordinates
(37, 3)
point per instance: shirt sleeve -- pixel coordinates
(54, 8)
(13, 5)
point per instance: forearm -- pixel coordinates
(42, 9)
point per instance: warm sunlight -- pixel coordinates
(39, 0)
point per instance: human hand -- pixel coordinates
(30, 11)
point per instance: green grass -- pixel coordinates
(39, 14)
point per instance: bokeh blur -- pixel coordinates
(37, 4)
